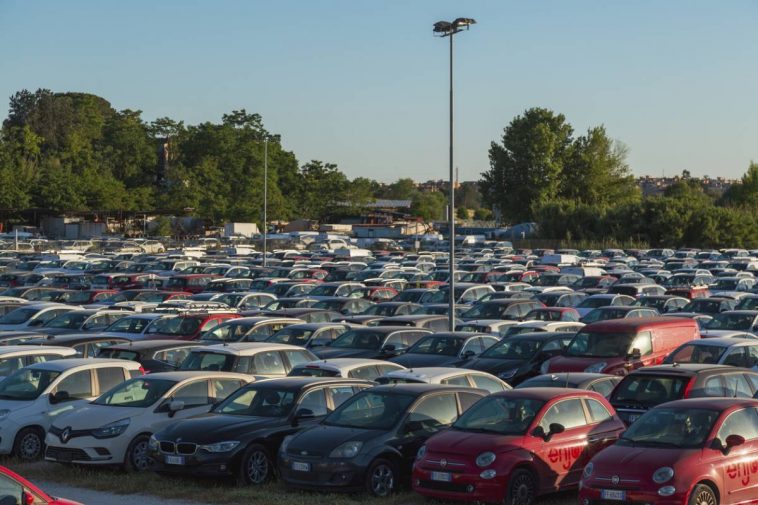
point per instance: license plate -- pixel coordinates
(301, 467)
(174, 460)
(612, 494)
(442, 476)
(633, 418)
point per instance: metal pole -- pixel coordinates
(265, 200)
(451, 206)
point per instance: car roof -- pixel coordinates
(638, 323)
(541, 335)
(141, 345)
(298, 382)
(421, 388)
(575, 379)
(684, 369)
(68, 338)
(6, 351)
(713, 403)
(431, 373)
(344, 364)
(547, 394)
(61, 365)
(179, 376)
(245, 348)
(724, 342)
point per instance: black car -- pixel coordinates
(445, 349)
(647, 387)
(241, 435)
(343, 305)
(518, 358)
(372, 342)
(371, 440)
(509, 309)
(154, 355)
(599, 382)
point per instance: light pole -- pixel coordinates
(449, 29)
(265, 200)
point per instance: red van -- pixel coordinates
(618, 346)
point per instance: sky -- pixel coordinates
(364, 84)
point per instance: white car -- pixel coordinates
(353, 368)
(115, 428)
(33, 315)
(15, 357)
(537, 326)
(445, 375)
(33, 397)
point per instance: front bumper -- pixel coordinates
(86, 450)
(323, 473)
(463, 486)
(199, 463)
(593, 496)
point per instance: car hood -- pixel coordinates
(425, 360)
(322, 440)
(92, 416)
(345, 352)
(210, 427)
(638, 462)
(492, 365)
(576, 364)
(15, 406)
(471, 444)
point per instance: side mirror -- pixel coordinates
(413, 427)
(556, 428)
(389, 348)
(733, 441)
(59, 397)
(27, 498)
(175, 406)
(636, 354)
(302, 414)
(36, 322)
(468, 354)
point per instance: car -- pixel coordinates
(553, 314)
(80, 321)
(598, 382)
(384, 309)
(602, 300)
(354, 368)
(445, 375)
(31, 398)
(189, 326)
(537, 326)
(15, 357)
(375, 342)
(495, 327)
(650, 386)
(444, 349)
(247, 329)
(662, 303)
(722, 351)
(16, 490)
(510, 309)
(711, 305)
(309, 335)
(514, 446)
(560, 299)
(153, 355)
(613, 312)
(241, 436)
(344, 305)
(115, 428)
(621, 345)
(698, 451)
(521, 357)
(32, 315)
(738, 320)
(356, 446)
(132, 326)
(254, 358)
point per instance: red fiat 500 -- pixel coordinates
(17, 490)
(512, 446)
(698, 451)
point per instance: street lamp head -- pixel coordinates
(446, 28)
(443, 28)
(463, 23)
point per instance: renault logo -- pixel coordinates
(443, 462)
(66, 435)
(615, 480)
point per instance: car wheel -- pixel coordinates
(703, 495)
(522, 488)
(256, 466)
(381, 478)
(136, 458)
(29, 444)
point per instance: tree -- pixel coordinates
(461, 213)
(745, 192)
(430, 206)
(525, 168)
(401, 189)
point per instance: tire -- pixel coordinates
(136, 458)
(256, 467)
(29, 444)
(381, 478)
(703, 495)
(522, 488)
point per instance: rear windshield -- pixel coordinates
(312, 372)
(648, 390)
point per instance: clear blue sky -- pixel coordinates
(364, 84)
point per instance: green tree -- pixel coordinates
(401, 189)
(461, 213)
(429, 206)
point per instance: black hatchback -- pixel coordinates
(241, 435)
(371, 440)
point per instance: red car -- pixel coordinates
(513, 446)
(185, 326)
(697, 451)
(15, 489)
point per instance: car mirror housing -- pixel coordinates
(59, 397)
(733, 441)
(175, 406)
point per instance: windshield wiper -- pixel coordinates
(656, 443)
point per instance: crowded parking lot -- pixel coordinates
(527, 394)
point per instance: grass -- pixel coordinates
(212, 491)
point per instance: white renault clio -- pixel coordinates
(115, 429)
(33, 397)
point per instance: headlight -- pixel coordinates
(485, 459)
(508, 373)
(4, 413)
(544, 367)
(663, 474)
(588, 470)
(285, 442)
(421, 452)
(667, 491)
(112, 430)
(597, 367)
(152, 444)
(220, 446)
(347, 450)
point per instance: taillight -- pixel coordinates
(142, 370)
(687, 389)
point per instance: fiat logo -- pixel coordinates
(443, 462)
(615, 480)
(65, 435)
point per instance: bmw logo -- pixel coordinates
(66, 435)
(615, 480)
(303, 453)
(443, 462)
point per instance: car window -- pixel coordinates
(268, 363)
(41, 358)
(736, 357)
(714, 386)
(555, 345)
(10, 365)
(435, 412)
(737, 386)
(340, 394)
(297, 357)
(487, 383)
(597, 410)
(643, 341)
(568, 413)
(743, 423)
(194, 394)
(467, 400)
(221, 388)
(458, 380)
(604, 387)
(315, 401)
(364, 372)
(172, 356)
(209, 325)
(77, 385)
(108, 378)
(10, 491)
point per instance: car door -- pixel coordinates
(80, 388)
(195, 396)
(603, 432)
(738, 467)
(565, 454)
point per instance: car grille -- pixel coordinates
(448, 487)
(183, 448)
(65, 454)
(168, 447)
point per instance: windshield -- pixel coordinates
(485, 311)
(359, 340)
(151, 297)
(512, 348)
(671, 427)
(593, 303)
(75, 297)
(229, 332)
(651, 303)
(110, 353)
(500, 415)
(649, 390)
(599, 345)
(703, 306)
(208, 361)
(69, 320)
(748, 303)
(549, 299)
(730, 321)
(292, 336)
(141, 393)
(692, 353)
(440, 346)
(18, 316)
(323, 291)
(26, 384)
(371, 410)
(130, 324)
(604, 315)
(725, 285)
(174, 326)
(306, 371)
(263, 402)
(381, 310)
(679, 281)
